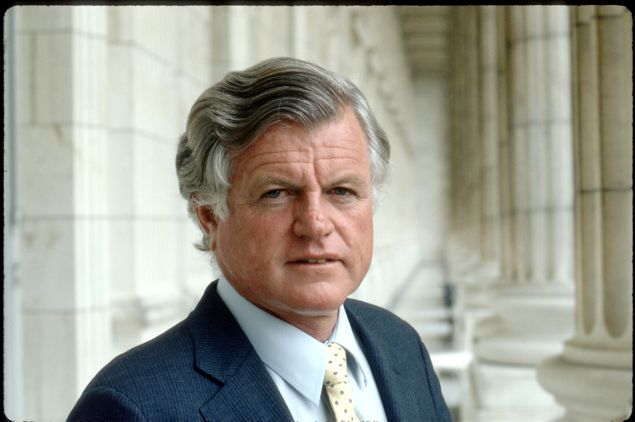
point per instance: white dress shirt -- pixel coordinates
(296, 361)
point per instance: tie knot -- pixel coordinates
(335, 365)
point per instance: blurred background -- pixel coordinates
(504, 236)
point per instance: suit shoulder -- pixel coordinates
(105, 404)
(157, 355)
(373, 315)
(153, 368)
(146, 381)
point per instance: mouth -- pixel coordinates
(314, 260)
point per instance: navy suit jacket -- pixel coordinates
(205, 368)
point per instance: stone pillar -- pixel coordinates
(472, 249)
(60, 139)
(12, 316)
(471, 246)
(592, 378)
(489, 139)
(534, 302)
(159, 63)
(476, 247)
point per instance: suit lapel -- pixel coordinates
(250, 395)
(397, 390)
(223, 352)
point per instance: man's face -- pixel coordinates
(299, 235)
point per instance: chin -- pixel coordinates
(318, 302)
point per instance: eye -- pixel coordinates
(273, 194)
(340, 191)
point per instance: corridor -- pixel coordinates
(504, 235)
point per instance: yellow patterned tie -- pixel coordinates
(337, 385)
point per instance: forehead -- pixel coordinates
(339, 138)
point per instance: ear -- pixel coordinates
(208, 221)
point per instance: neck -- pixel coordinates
(320, 327)
(319, 324)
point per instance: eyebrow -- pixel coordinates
(348, 179)
(274, 180)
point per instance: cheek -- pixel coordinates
(231, 240)
(360, 235)
(368, 242)
(252, 239)
(365, 223)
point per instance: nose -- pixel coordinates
(311, 221)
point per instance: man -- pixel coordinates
(279, 165)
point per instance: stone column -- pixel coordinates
(592, 378)
(12, 316)
(159, 63)
(60, 139)
(472, 247)
(461, 255)
(534, 303)
(476, 177)
(469, 258)
(489, 139)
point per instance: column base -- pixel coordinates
(529, 326)
(589, 393)
(511, 393)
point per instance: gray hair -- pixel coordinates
(230, 115)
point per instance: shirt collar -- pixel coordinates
(288, 351)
